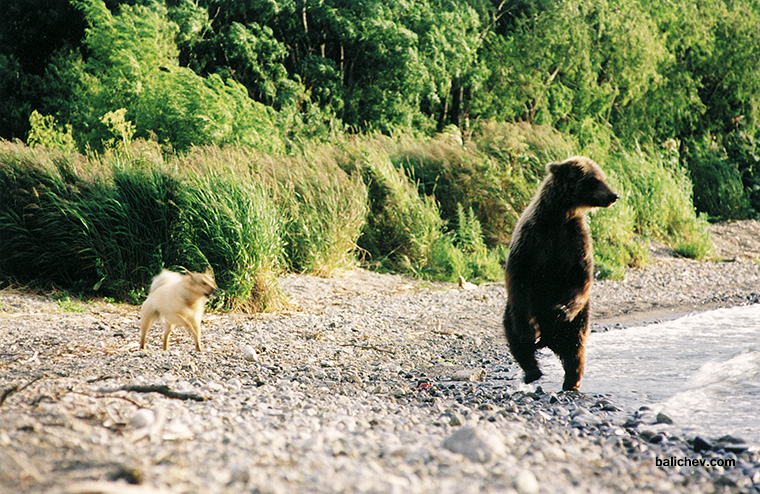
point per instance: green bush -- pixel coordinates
(743, 149)
(321, 207)
(655, 202)
(462, 252)
(494, 174)
(616, 243)
(46, 132)
(718, 187)
(132, 66)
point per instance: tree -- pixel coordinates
(31, 33)
(131, 62)
(569, 62)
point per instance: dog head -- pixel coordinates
(202, 283)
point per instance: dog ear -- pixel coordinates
(209, 271)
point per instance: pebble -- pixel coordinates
(661, 418)
(456, 419)
(249, 354)
(142, 418)
(469, 375)
(400, 392)
(368, 406)
(701, 444)
(526, 482)
(475, 444)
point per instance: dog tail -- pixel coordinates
(166, 277)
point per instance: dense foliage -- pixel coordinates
(220, 71)
(412, 96)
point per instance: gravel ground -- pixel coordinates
(369, 383)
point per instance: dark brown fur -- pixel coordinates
(550, 269)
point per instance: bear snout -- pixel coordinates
(611, 198)
(603, 199)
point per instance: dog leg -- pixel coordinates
(194, 326)
(147, 322)
(167, 332)
(197, 335)
(198, 345)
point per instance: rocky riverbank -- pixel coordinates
(369, 383)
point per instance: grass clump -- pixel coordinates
(109, 233)
(462, 251)
(458, 176)
(44, 220)
(235, 228)
(494, 174)
(401, 225)
(324, 208)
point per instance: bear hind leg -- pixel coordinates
(522, 344)
(571, 349)
(573, 364)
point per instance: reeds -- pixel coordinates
(435, 208)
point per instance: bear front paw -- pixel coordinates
(563, 312)
(532, 375)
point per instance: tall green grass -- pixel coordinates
(324, 209)
(41, 227)
(237, 230)
(321, 207)
(494, 176)
(458, 176)
(401, 225)
(85, 232)
(655, 204)
(106, 224)
(106, 230)
(436, 208)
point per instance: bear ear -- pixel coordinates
(552, 167)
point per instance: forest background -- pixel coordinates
(266, 136)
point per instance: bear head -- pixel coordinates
(579, 184)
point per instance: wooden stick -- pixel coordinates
(158, 388)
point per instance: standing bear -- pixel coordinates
(550, 268)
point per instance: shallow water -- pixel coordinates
(702, 370)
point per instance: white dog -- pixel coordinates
(178, 300)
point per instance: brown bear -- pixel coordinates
(550, 269)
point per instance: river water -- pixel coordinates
(702, 370)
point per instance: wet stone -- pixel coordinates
(661, 418)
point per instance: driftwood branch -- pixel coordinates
(14, 389)
(123, 398)
(158, 388)
(369, 347)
